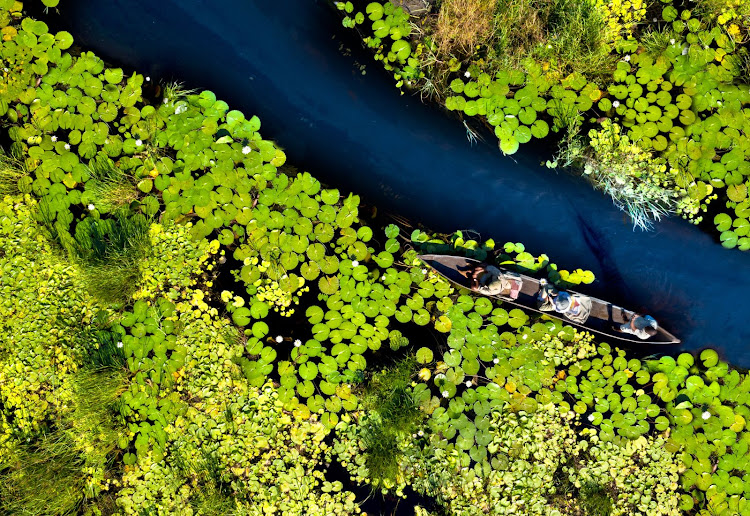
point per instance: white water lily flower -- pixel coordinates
(67, 146)
(91, 207)
(706, 415)
(138, 143)
(119, 344)
(279, 338)
(467, 73)
(616, 104)
(591, 417)
(148, 78)
(246, 150)
(495, 360)
(355, 263)
(671, 41)
(445, 394)
(424, 271)
(468, 383)
(420, 433)
(54, 138)
(655, 20)
(297, 343)
(626, 58)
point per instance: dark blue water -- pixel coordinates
(278, 60)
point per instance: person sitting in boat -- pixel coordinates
(489, 280)
(573, 306)
(642, 326)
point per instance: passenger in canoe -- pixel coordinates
(489, 280)
(642, 326)
(573, 306)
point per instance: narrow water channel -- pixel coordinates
(281, 61)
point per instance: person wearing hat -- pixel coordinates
(489, 280)
(642, 326)
(573, 306)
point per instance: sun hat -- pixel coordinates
(562, 301)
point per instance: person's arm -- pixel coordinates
(475, 275)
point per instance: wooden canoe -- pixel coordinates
(603, 319)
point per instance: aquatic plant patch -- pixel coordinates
(676, 85)
(242, 363)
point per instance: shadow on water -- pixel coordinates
(283, 61)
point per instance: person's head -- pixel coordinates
(562, 301)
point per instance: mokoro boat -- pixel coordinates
(603, 319)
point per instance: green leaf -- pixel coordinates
(330, 196)
(424, 355)
(709, 357)
(260, 329)
(328, 284)
(308, 370)
(113, 75)
(63, 40)
(728, 239)
(374, 11)
(241, 316)
(509, 145)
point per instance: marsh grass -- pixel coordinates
(55, 230)
(106, 352)
(111, 187)
(212, 495)
(96, 399)
(575, 30)
(462, 25)
(395, 413)
(11, 170)
(595, 500)
(739, 63)
(614, 174)
(565, 35)
(109, 253)
(49, 475)
(45, 477)
(175, 90)
(656, 42)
